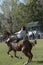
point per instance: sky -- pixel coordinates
(0, 4)
(0, 1)
(19, 0)
(22, 1)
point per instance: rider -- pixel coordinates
(21, 34)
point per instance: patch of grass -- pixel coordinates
(37, 55)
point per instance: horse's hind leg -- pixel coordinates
(17, 56)
(31, 56)
(26, 54)
(9, 52)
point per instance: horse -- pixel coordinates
(23, 45)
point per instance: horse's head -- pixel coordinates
(6, 34)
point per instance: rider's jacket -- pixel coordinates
(21, 33)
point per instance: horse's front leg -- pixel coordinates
(9, 52)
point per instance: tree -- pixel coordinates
(36, 11)
(15, 14)
(9, 11)
(18, 14)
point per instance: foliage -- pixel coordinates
(17, 14)
(36, 11)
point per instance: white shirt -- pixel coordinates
(21, 33)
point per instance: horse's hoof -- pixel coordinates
(26, 63)
(18, 57)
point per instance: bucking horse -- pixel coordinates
(23, 45)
